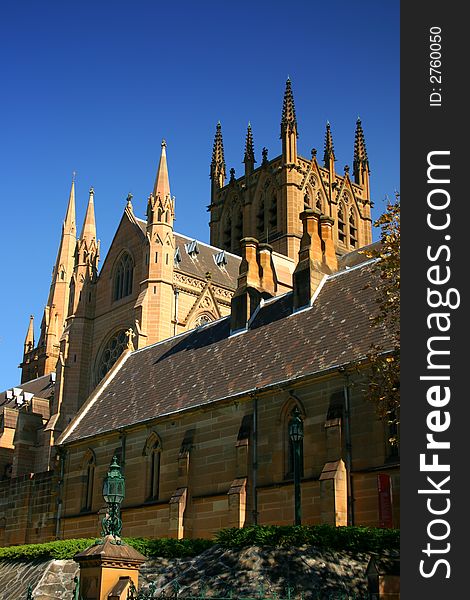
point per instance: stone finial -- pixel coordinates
(264, 154)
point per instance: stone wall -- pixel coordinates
(316, 573)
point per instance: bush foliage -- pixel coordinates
(355, 539)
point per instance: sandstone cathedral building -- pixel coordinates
(186, 360)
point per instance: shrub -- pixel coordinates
(355, 539)
(64, 549)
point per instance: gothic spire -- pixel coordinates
(361, 161)
(288, 120)
(162, 181)
(29, 340)
(218, 168)
(89, 226)
(69, 225)
(329, 149)
(249, 148)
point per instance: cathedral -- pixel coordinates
(186, 360)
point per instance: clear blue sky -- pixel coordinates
(94, 87)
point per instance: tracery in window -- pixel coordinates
(203, 320)
(123, 277)
(110, 353)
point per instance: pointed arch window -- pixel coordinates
(111, 352)
(227, 233)
(287, 414)
(352, 228)
(123, 277)
(71, 297)
(153, 452)
(273, 212)
(238, 228)
(260, 226)
(319, 202)
(341, 224)
(307, 201)
(88, 481)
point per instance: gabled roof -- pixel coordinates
(204, 262)
(206, 365)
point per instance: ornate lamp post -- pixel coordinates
(114, 488)
(296, 434)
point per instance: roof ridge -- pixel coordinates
(353, 268)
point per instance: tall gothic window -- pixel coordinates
(123, 276)
(153, 452)
(227, 233)
(89, 477)
(110, 353)
(290, 455)
(287, 413)
(260, 227)
(319, 202)
(273, 212)
(352, 228)
(341, 224)
(71, 297)
(238, 228)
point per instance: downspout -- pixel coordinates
(347, 434)
(123, 435)
(175, 316)
(255, 459)
(62, 454)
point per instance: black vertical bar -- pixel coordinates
(435, 207)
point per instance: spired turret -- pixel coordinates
(55, 311)
(361, 161)
(218, 167)
(289, 133)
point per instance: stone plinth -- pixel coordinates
(104, 564)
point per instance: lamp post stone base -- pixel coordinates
(106, 564)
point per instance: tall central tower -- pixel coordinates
(266, 202)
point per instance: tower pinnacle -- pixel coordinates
(162, 182)
(89, 226)
(249, 157)
(361, 161)
(288, 120)
(29, 340)
(69, 225)
(329, 149)
(289, 132)
(218, 168)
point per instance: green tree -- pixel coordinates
(384, 383)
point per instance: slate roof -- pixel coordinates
(207, 364)
(41, 387)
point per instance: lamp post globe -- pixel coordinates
(114, 488)
(114, 484)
